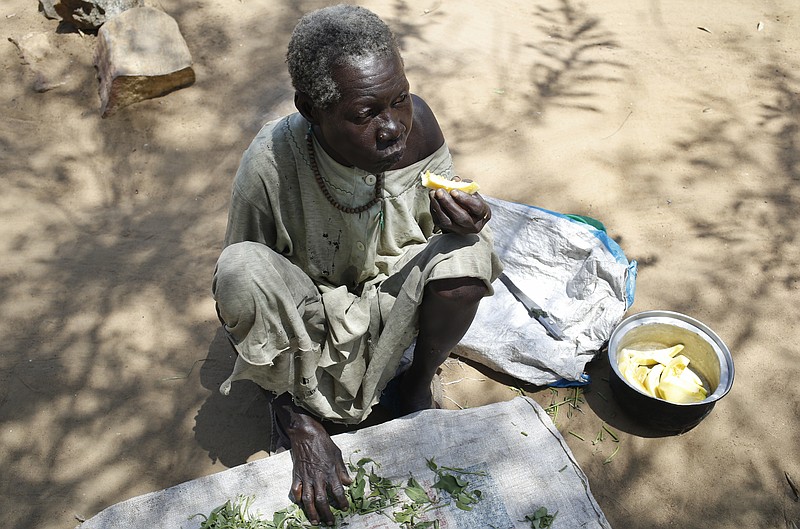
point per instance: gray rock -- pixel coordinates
(48, 8)
(140, 54)
(91, 14)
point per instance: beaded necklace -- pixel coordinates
(326, 191)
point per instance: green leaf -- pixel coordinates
(357, 489)
(448, 483)
(540, 519)
(464, 498)
(364, 460)
(415, 492)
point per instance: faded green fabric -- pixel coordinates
(326, 305)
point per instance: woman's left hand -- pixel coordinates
(459, 212)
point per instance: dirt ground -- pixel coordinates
(675, 123)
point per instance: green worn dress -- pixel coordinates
(321, 303)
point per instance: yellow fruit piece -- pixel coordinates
(675, 367)
(673, 390)
(653, 379)
(636, 375)
(662, 373)
(689, 377)
(648, 358)
(435, 181)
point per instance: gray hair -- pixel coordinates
(331, 37)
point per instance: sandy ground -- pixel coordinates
(684, 141)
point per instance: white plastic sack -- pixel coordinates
(523, 461)
(577, 273)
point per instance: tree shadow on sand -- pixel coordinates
(755, 220)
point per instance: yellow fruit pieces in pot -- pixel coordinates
(662, 373)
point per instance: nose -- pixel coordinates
(390, 129)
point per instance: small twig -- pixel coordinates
(28, 385)
(462, 379)
(609, 458)
(792, 486)
(620, 126)
(576, 435)
(557, 405)
(179, 377)
(518, 391)
(599, 437)
(432, 9)
(460, 407)
(612, 434)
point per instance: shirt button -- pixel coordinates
(360, 246)
(370, 179)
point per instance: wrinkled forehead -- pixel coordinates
(372, 70)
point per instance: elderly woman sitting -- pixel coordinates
(336, 259)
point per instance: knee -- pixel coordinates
(465, 291)
(231, 269)
(240, 271)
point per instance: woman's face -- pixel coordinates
(369, 126)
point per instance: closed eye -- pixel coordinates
(364, 114)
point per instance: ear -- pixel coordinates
(306, 107)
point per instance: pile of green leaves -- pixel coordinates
(451, 480)
(369, 493)
(541, 519)
(236, 515)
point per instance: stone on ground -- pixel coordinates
(140, 54)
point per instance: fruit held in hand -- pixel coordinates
(435, 181)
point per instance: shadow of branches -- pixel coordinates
(110, 364)
(573, 57)
(739, 173)
(111, 352)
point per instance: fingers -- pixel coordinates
(315, 504)
(343, 475)
(315, 498)
(339, 497)
(296, 491)
(459, 212)
(317, 507)
(338, 487)
(439, 216)
(314, 501)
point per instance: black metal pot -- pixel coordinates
(708, 355)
